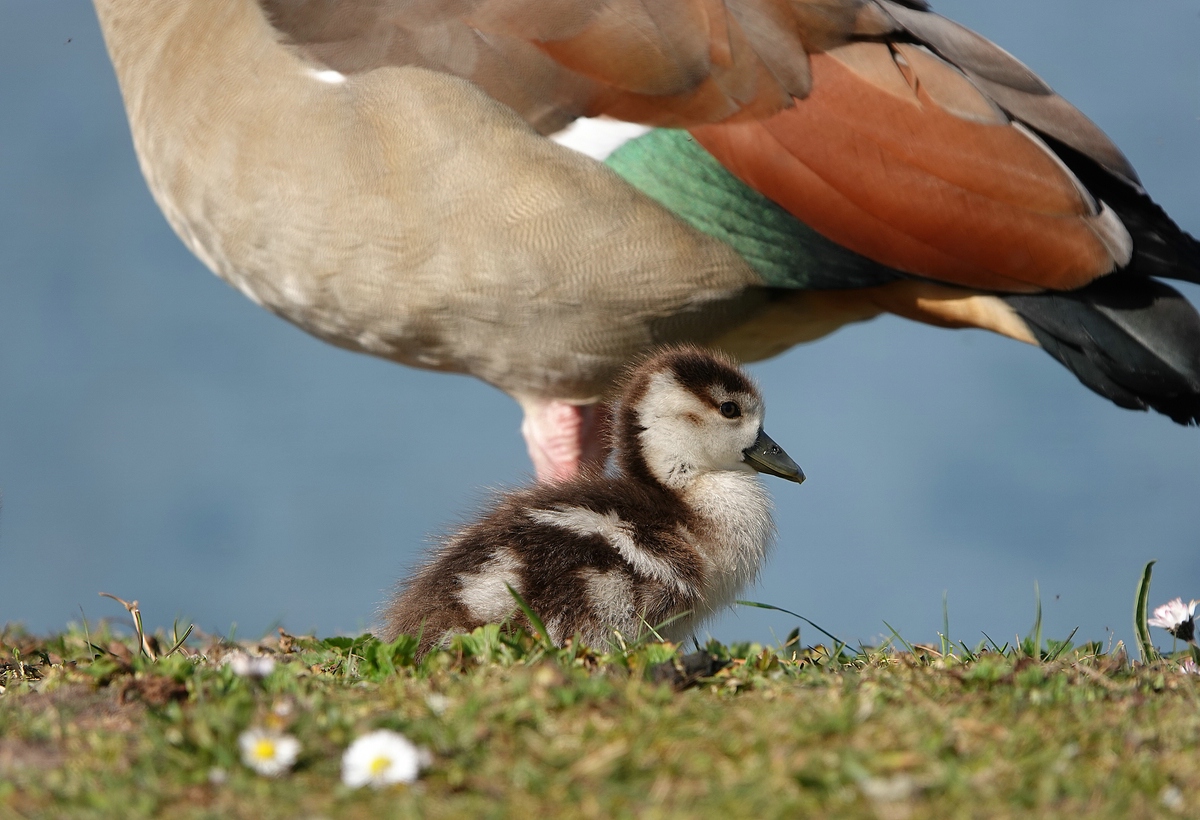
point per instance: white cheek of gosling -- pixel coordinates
(676, 449)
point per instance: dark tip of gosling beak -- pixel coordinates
(768, 457)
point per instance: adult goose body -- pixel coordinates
(377, 173)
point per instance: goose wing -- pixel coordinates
(891, 130)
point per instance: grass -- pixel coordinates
(98, 724)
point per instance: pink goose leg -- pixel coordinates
(563, 438)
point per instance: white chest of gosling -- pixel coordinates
(671, 538)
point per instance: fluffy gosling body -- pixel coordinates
(681, 528)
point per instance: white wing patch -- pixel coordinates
(611, 597)
(598, 136)
(611, 528)
(485, 592)
(327, 75)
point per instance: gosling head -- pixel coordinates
(687, 412)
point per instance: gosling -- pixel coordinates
(665, 543)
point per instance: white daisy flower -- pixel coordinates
(268, 753)
(1177, 618)
(250, 666)
(380, 758)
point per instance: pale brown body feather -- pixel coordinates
(408, 207)
(407, 215)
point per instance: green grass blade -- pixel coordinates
(995, 646)
(178, 640)
(1140, 628)
(654, 630)
(1037, 624)
(1062, 647)
(534, 620)
(87, 636)
(947, 644)
(831, 637)
(896, 635)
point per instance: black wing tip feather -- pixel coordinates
(1160, 247)
(1183, 408)
(1133, 340)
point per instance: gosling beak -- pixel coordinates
(768, 457)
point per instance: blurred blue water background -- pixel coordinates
(164, 439)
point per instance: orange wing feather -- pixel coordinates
(963, 197)
(883, 147)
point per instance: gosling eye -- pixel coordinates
(730, 410)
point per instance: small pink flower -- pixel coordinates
(1177, 618)
(1189, 667)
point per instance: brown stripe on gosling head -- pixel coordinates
(700, 370)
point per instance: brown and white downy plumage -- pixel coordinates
(668, 540)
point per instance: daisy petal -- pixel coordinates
(379, 759)
(268, 753)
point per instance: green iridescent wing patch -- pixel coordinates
(673, 169)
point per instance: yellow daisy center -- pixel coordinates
(264, 749)
(380, 765)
